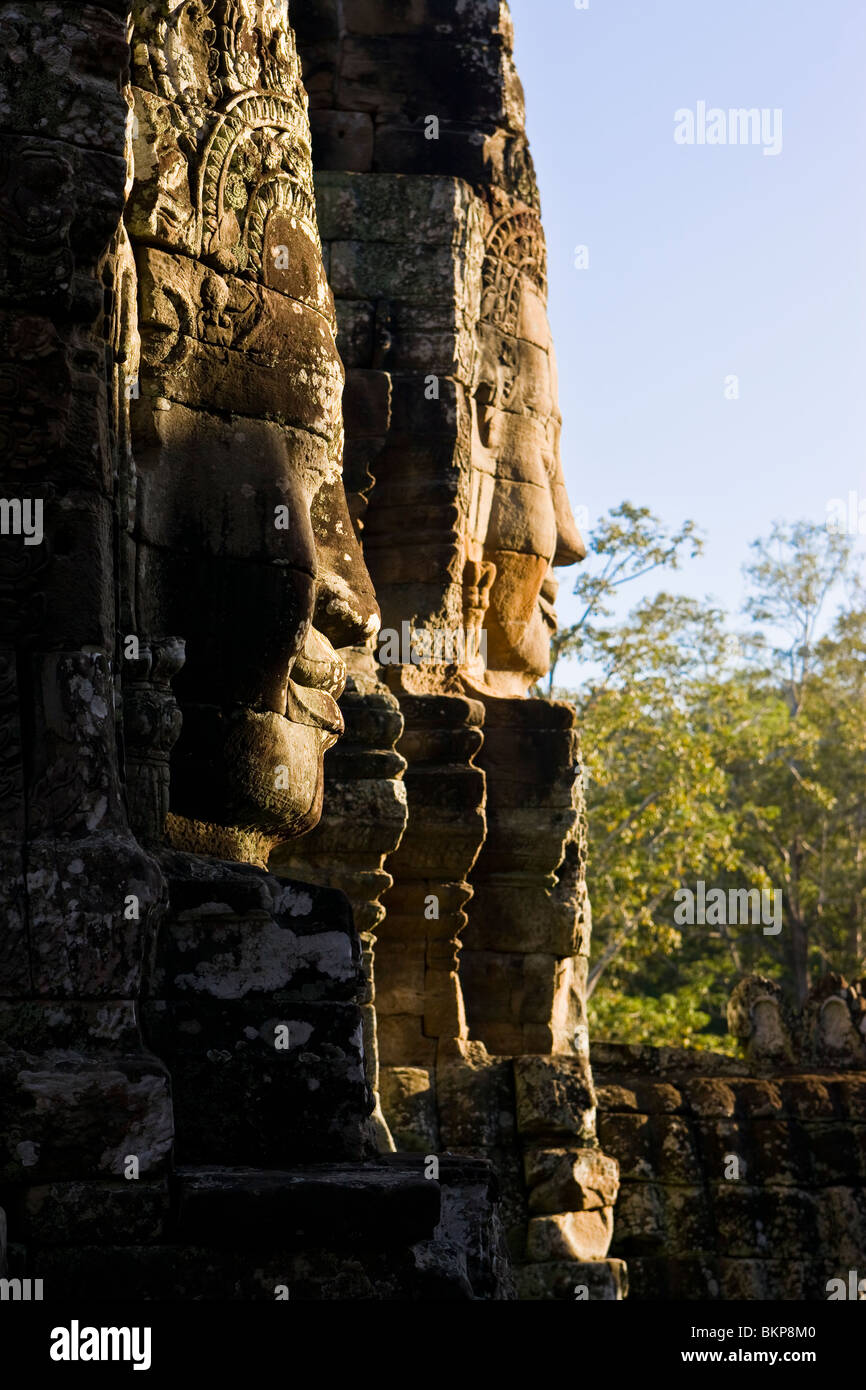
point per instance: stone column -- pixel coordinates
(82, 1101)
(527, 943)
(362, 822)
(428, 209)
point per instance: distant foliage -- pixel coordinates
(737, 760)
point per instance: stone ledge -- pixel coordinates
(604, 1281)
(334, 1205)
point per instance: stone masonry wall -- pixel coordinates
(741, 1179)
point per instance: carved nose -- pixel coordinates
(570, 545)
(346, 608)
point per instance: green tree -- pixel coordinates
(630, 543)
(738, 761)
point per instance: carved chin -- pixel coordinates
(256, 776)
(518, 653)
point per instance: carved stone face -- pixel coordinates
(244, 545)
(246, 548)
(521, 524)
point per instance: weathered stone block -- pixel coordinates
(677, 1159)
(409, 1106)
(640, 1226)
(471, 1228)
(255, 1082)
(63, 1118)
(577, 1235)
(841, 1218)
(760, 1099)
(356, 319)
(401, 972)
(719, 1141)
(687, 1220)
(605, 1281)
(402, 1041)
(342, 140)
(476, 1101)
(90, 911)
(326, 1205)
(68, 83)
(852, 1096)
(71, 1025)
(832, 1151)
(709, 1097)
(72, 1213)
(73, 789)
(657, 1098)
(743, 1280)
(367, 403)
(300, 944)
(777, 1153)
(15, 978)
(614, 1098)
(389, 208)
(808, 1097)
(570, 1179)
(554, 1097)
(64, 206)
(736, 1210)
(628, 1137)
(787, 1221)
(370, 270)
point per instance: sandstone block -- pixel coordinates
(476, 1101)
(554, 1097)
(402, 1041)
(297, 943)
(367, 403)
(394, 209)
(761, 1099)
(687, 1220)
(342, 140)
(658, 1098)
(808, 1097)
(258, 1082)
(640, 1227)
(628, 1138)
(71, 1213)
(63, 1118)
(409, 1106)
(777, 1153)
(605, 1281)
(570, 1180)
(677, 1159)
(577, 1235)
(709, 1097)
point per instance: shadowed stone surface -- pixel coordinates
(169, 672)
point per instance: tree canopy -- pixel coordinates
(732, 759)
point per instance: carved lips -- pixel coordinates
(546, 600)
(317, 682)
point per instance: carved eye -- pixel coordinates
(485, 410)
(508, 359)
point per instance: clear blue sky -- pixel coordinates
(704, 262)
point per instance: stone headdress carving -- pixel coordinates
(515, 254)
(257, 160)
(515, 250)
(225, 109)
